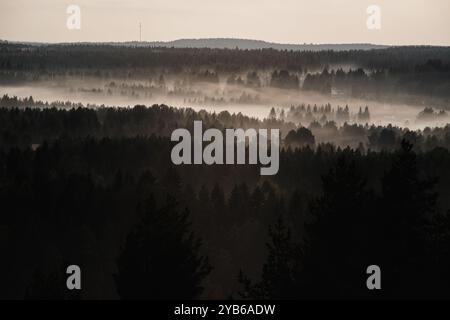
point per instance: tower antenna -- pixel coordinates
(140, 32)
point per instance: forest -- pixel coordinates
(97, 187)
(86, 176)
(390, 74)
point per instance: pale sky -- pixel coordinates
(425, 22)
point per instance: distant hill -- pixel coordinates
(228, 43)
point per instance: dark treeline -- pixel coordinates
(397, 74)
(428, 79)
(91, 56)
(349, 224)
(111, 206)
(23, 126)
(99, 190)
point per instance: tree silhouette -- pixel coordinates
(408, 203)
(336, 246)
(161, 258)
(281, 269)
(300, 138)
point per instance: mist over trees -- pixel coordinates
(94, 185)
(24, 126)
(112, 198)
(394, 74)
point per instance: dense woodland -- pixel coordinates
(416, 75)
(54, 57)
(25, 122)
(96, 187)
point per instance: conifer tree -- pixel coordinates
(161, 258)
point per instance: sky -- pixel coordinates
(402, 22)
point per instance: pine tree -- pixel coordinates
(408, 203)
(336, 243)
(161, 259)
(281, 270)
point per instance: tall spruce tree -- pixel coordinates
(161, 259)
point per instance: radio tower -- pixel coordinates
(140, 32)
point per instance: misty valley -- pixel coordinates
(342, 161)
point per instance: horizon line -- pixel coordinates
(218, 38)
